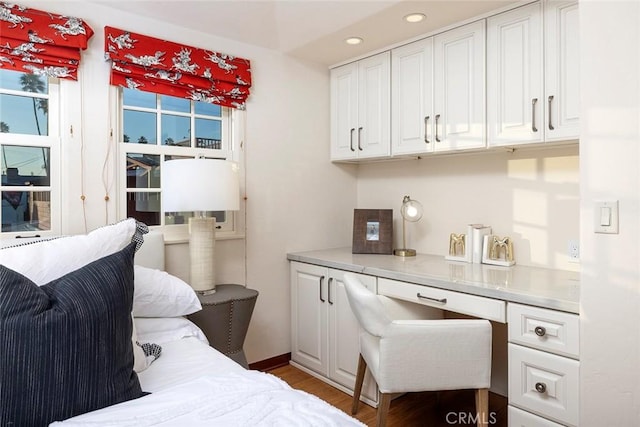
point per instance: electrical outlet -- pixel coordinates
(573, 250)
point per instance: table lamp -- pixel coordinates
(411, 211)
(200, 185)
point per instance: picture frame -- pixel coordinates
(372, 231)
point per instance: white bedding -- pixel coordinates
(245, 398)
(193, 385)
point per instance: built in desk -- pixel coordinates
(534, 312)
(540, 287)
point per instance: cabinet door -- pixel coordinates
(309, 316)
(373, 137)
(562, 70)
(412, 98)
(344, 334)
(459, 85)
(344, 111)
(515, 103)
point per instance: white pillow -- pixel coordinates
(161, 330)
(47, 260)
(159, 294)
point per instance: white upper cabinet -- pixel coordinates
(510, 79)
(360, 109)
(515, 86)
(412, 98)
(533, 74)
(562, 70)
(459, 87)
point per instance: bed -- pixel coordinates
(140, 363)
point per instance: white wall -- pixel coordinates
(530, 195)
(609, 170)
(292, 202)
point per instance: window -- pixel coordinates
(29, 147)
(159, 128)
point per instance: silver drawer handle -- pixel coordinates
(426, 127)
(550, 99)
(533, 115)
(440, 300)
(541, 387)
(540, 331)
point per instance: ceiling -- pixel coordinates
(312, 30)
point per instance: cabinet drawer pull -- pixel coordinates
(437, 118)
(534, 101)
(426, 127)
(321, 281)
(541, 387)
(440, 300)
(550, 101)
(329, 290)
(359, 133)
(351, 139)
(540, 331)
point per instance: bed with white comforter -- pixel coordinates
(90, 339)
(192, 384)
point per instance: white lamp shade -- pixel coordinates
(200, 185)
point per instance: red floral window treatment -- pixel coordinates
(167, 68)
(42, 43)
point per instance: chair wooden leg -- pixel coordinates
(384, 401)
(482, 406)
(362, 368)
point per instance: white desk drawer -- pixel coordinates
(485, 308)
(544, 384)
(520, 418)
(548, 330)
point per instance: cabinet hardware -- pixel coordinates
(437, 118)
(351, 139)
(540, 331)
(550, 100)
(541, 387)
(329, 290)
(440, 300)
(426, 126)
(533, 115)
(359, 133)
(321, 281)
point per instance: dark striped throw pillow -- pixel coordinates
(65, 347)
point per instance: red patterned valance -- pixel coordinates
(42, 43)
(159, 66)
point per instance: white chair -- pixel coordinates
(419, 355)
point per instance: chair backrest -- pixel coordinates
(366, 306)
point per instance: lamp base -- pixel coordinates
(202, 244)
(404, 252)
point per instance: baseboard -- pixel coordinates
(271, 363)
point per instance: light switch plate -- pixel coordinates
(605, 217)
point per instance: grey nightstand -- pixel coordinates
(225, 317)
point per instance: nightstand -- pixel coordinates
(225, 317)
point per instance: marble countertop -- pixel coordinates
(541, 287)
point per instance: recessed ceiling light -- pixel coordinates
(353, 40)
(415, 17)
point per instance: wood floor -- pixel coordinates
(432, 409)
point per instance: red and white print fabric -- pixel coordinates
(159, 66)
(38, 42)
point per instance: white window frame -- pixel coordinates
(231, 133)
(52, 141)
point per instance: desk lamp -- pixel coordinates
(411, 211)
